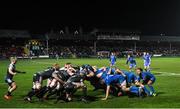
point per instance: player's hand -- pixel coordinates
(14, 73)
(104, 99)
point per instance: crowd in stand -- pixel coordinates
(88, 51)
(72, 51)
(7, 51)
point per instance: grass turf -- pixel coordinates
(167, 86)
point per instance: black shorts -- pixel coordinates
(36, 77)
(9, 81)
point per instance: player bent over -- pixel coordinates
(58, 80)
(56, 85)
(131, 80)
(38, 80)
(11, 71)
(76, 82)
(147, 79)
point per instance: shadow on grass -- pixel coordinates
(155, 68)
(160, 93)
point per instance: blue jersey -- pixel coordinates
(112, 59)
(110, 79)
(130, 77)
(145, 77)
(103, 73)
(147, 58)
(131, 60)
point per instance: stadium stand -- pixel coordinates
(24, 44)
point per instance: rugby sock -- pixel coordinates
(146, 90)
(151, 88)
(134, 89)
(8, 93)
(42, 92)
(52, 93)
(31, 93)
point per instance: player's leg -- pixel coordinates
(11, 88)
(35, 89)
(111, 64)
(145, 66)
(81, 85)
(148, 67)
(145, 90)
(152, 91)
(53, 88)
(68, 89)
(130, 67)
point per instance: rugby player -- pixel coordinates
(132, 62)
(11, 72)
(112, 59)
(147, 79)
(38, 80)
(147, 61)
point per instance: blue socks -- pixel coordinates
(146, 90)
(151, 88)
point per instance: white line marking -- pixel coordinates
(166, 73)
(43, 62)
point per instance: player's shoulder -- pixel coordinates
(11, 65)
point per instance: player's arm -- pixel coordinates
(120, 72)
(143, 57)
(17, 71)
(137, 81)
(107, 92)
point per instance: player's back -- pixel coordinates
(47, 73)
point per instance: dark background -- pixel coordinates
(147, 16)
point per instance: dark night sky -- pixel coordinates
(148, 16)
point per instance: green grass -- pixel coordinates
(168, 87)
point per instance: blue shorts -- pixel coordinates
(147, 64)
(113, 63)
(132, 65)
